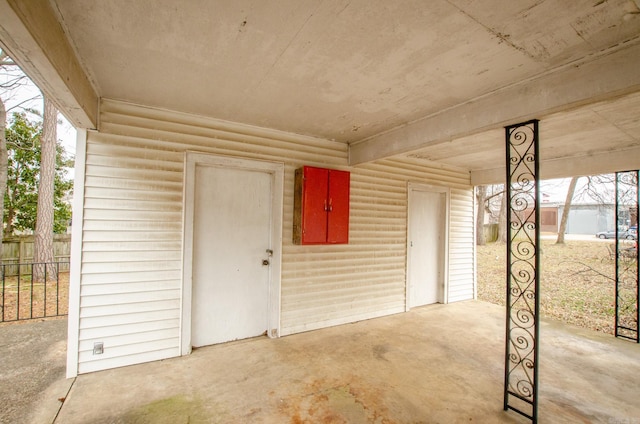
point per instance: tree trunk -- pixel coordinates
(502, 219)
(3, 164)
(566, 210)
(481, 197)
(9, 207)
(43, 240)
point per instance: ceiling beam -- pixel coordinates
(611, 74)
(35, 40)
(575, 166)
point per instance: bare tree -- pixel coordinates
(567, 208)
(502, 219)
(488, 201)
(598, 188)
(5, 62)
(43, 240)
(3, 164)
(481, 197)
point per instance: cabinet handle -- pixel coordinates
(325, 205)
(330, 205)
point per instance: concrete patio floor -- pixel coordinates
(436, 364)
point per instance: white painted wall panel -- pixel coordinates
(132, 232)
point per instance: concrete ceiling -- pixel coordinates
(432, 80)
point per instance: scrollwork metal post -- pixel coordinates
(523, 276)
(627, 268)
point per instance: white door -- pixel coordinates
(231, 239)
(426, 245)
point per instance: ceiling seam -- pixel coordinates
(503, 37)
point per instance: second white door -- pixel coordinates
(426, 244)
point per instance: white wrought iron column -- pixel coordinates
(523, 276)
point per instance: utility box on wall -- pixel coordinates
(321, 206)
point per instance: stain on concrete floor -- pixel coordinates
(333, 401)
(173, 410)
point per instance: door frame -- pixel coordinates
(276, 170)
(420, 187)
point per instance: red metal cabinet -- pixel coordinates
(321, 206)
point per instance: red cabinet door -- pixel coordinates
(321, 206)
(314, 205)
(338, 207)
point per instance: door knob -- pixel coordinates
(265, 262)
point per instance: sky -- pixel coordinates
(29, 96)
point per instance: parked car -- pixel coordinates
(623, 234)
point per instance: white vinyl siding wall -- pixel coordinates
(461, 246)
(132, 232)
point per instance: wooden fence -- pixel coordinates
(19, 249)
